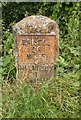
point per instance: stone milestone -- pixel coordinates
(36, 47)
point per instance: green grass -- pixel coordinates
(55, 98)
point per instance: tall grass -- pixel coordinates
(55, 98)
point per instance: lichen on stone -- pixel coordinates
(36, 25)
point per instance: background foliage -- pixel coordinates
(66, 14)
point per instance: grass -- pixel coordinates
(55, 98)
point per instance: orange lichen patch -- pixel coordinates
(36, 49)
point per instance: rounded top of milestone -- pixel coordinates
(35, 25)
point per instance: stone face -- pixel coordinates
(36, 47)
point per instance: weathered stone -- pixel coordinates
(36, 47)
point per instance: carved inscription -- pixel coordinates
(35, 67)
(35, 41)
(36, 55)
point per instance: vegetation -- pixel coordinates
(57, 97)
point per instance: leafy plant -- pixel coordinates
(8, 68)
